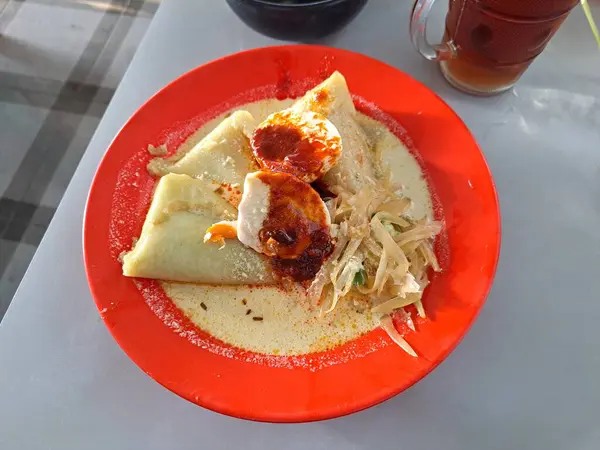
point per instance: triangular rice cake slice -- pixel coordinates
(223, 157)
(171, 246)
(332, 98)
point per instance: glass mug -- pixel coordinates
(488, 44)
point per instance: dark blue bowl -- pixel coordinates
(297, 20)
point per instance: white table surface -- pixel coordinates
(527, 376)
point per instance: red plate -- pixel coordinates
(317, 386)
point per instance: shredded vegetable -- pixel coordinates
(393, 304)
(381, 254)
(388, 326)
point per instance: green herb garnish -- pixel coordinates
(360, 278)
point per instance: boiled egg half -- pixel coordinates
(305, 145)
(279, 216)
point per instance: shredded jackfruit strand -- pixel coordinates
(420, 309)
(418, 233)
(372, 246)
(418, 266)
(348, 253)
(408, 319)
(323, 275)
(344, 282)
(388, 326)
(388, 243)
(386, 277)
(427, 252)
(395, 303)
(371, 259)
(381, 269)
(387, 217)
(410, 247)
(396, 207)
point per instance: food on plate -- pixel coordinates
(332, 99)
(172, 247)
(319, 207)
(222, 158)
(282, 217)
(305, 144)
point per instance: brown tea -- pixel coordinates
(496, 40)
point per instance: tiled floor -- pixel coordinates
(60, 62)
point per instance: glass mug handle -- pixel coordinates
(418, 34)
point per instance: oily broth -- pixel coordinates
(279, 323)
(283, 323)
